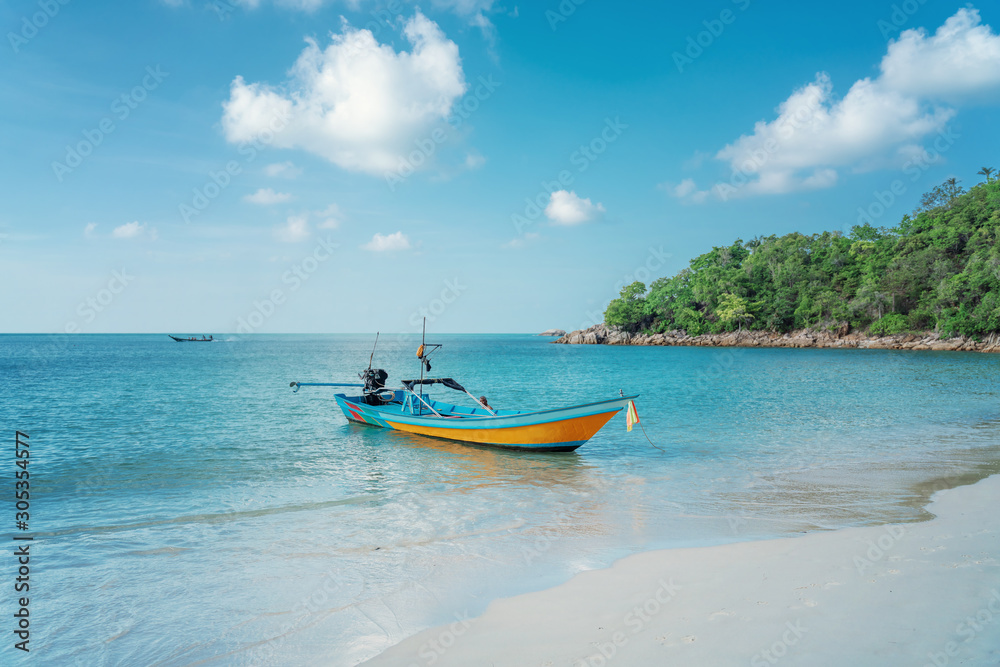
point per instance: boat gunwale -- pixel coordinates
(358, 401)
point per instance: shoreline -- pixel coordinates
(601, 334)
(925, 593)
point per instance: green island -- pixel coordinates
(937, 271)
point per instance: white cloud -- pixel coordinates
(815, 133)
(466, 7)
(879, 122)
(474, 11)
(331, 217)
(685, 187)
(267, 196)
(88, 231)
(687, 190)
(522, 241)
(282, 170)
(962, 58)
(129, 230)
(383, 243)
(566, 208)
(357, 103)
(295, 229)
(474, 161)
(301, 5)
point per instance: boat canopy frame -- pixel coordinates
(407, 387)
(447, 382)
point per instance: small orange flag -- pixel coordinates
(631, 416)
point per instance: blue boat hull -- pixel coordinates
(558, 430)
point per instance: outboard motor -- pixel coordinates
(374, 379)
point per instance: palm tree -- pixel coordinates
(987, 172)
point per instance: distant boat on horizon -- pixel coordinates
(192, 339)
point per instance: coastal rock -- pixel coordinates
(619, 338)
(600, 335)
(841, 337)
(553, 332)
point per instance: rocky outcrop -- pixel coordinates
(600, 334)
(553, 332)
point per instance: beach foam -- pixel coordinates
(919, 594)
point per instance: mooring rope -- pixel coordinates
(647, 438)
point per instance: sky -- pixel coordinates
(329, 166)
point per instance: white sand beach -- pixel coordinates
(923, 593)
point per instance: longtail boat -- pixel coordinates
(409, 409)
(192, 339)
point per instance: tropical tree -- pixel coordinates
(943, 195)
(988, 173)
(939, 268)
(628, 311)
(734, 308)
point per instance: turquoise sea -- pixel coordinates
(188, 508)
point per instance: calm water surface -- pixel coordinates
(189, 508)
